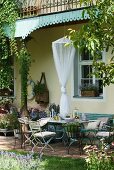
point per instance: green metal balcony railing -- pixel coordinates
(29, 8)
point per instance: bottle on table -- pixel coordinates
(75, 113)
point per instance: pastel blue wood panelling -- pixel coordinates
(25, 26)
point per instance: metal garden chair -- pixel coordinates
(73, 134)
(26, 134)
(39, 136)
(107, 134)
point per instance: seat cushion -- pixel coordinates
(104, 134)
(43, 121)
(93, 125)
(103, 122)
(44, 134)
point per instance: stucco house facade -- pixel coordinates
(45, 22)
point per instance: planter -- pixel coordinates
(41, 91)
(89, 93)
(5, 131)
(42, 97)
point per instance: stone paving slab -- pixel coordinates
(8, 143)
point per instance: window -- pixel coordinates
(83, 73)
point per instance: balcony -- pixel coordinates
(30, 8)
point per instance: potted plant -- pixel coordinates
(4, 124)
(89, 90)
(9, 121)
(39, 88)
(41, 91)
(14, 124)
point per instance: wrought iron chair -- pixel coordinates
(107, 134)
(73, 134)
(89, 131)
(97, 130)
(39, 136)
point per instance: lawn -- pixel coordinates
(47, 162)
(27, 161)
(58, 163)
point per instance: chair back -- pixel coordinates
(23, 124)
(34, 126)
(43, 121)
(72, 130)
(23, 120)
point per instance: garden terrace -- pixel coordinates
(28, 8)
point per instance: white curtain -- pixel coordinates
(63, 58)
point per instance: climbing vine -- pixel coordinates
(8, 46)
(9, 49)
(24, 60)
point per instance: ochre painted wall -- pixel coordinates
(40, 48)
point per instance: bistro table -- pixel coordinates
(57, 126)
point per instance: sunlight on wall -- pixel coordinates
(42, 61)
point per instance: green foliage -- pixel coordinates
(39, 88)
(8, 16)
(19, 160)
(8, 47)
(6, 73)
(98, 159)
(104, 70)
(4, 123)
(5, 101)
(64, 163)
(89, 87)
(97, 34)
(13, 161)
(9, 121)
(24, 59)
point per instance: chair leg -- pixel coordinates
(45, 144)
(80, 146)
(14, 142)
(36, 142)
(70, 145)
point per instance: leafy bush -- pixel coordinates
(98, 159)
(13, 161)
(9, 121)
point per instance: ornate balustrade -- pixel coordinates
(29, 8)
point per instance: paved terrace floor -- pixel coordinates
(8, 143)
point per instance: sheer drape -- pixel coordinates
(63, 58)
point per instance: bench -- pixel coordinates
(91, 129)
(95, 116)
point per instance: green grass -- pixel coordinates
(58, 163)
